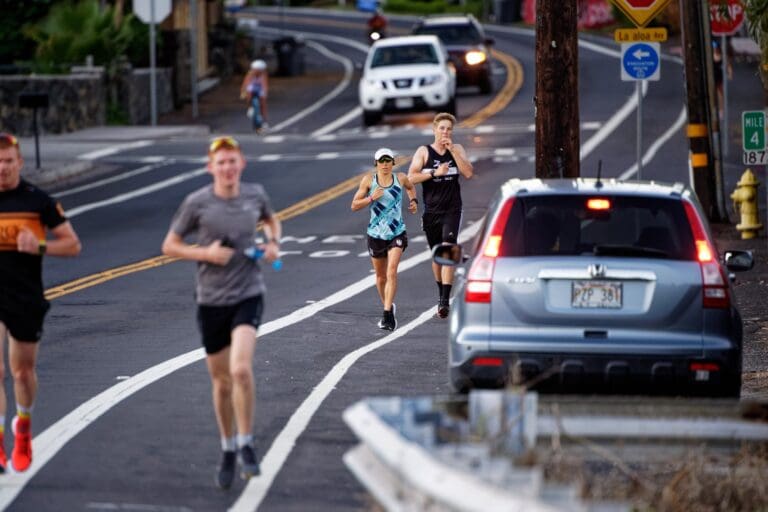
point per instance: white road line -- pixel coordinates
(348, 70)
(257, 488)
(99, 153)
(331, 155)
(113, 179)
(50, 441)
(121, 198)
(341, 121)
(654, 148)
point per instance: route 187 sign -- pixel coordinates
(640, 12)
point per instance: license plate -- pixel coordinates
(404, 102)
(596, 294)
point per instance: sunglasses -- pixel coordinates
(385, 160)
(9, 139)
(225, 142)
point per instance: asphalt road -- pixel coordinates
(124, 421)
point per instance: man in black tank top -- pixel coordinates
(438, 168)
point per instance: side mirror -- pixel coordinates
(739, 261)
(447, 254)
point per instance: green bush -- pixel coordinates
(72, 31)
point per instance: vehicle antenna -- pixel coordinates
(598, 183)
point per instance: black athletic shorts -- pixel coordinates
(26, 325)
(441, 227)
(378, 248)
(216, 323)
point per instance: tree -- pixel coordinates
(757, 24)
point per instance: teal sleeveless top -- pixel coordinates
(387, 213)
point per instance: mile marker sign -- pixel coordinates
(640, 12)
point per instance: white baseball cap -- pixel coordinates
(258, 64)
(382, 152)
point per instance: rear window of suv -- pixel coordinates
(612, 225)
(452, 34)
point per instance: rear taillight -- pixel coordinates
(480, 277)
(714, 282)
(487, 361)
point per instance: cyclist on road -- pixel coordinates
(229, 293)
(27, 214)
(438, 167)
(254, 88)
(382, 193)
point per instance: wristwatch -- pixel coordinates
(42, 247)
(432, 173)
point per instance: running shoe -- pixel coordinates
(382, 321)
(249, 466)
(443, 308)
(226, 469)
(22, 447)
(3, 457)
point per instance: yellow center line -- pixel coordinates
(500, 101)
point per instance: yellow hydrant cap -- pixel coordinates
(748, 178)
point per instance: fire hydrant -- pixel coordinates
(745, 203)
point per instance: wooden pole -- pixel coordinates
(557, 89)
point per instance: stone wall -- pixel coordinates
(80, 100)
(75, 102)
(134, 94)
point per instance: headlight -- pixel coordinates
(474, 57)
(431, 80)
(373, 84)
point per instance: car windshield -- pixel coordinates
(403, 55)
(452, 34)
(604, 225)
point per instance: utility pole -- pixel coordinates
(692, 19)
(557, 89)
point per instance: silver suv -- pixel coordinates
(597, 283)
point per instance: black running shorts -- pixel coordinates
(216, 323)
(27, 325)
(441, 227)
(378, 248)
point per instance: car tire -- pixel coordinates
(450, 107)
(486, 86)
(731, 386)
(371, 117)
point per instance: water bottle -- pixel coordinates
(256, 253)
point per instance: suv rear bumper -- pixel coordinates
(581, 372)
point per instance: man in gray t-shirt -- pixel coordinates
(224, 217)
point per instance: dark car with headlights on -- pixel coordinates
(467, 45)
(601, 284)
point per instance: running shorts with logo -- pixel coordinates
(22, 303)
(441, 227)
(378, 248)
(217, 322)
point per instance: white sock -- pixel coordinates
(244, 439)
(228, 444)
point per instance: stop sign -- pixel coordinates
(726, 21)
(143, 10)
(640, 12)
(640, 4)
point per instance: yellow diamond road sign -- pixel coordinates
(640, 12)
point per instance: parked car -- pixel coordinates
(593, 283)
(406, 74)
(467, 45)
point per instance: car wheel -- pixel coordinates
(731, 386)
(450, 107)
(486, 86)
(370, 117)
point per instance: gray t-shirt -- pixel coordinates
(233, 221)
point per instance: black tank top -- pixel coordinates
(441, 194)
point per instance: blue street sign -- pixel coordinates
(640, 61)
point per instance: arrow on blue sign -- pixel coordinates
(640, 61)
